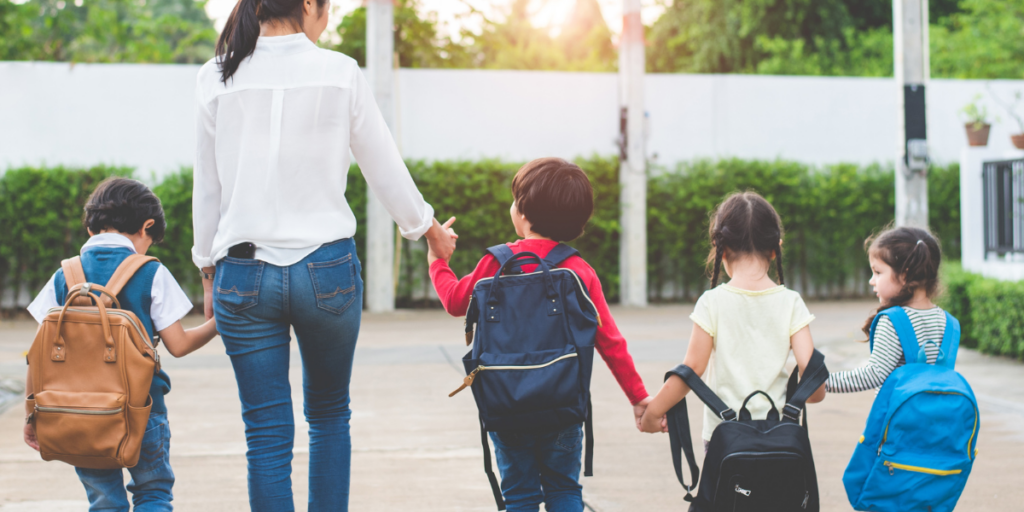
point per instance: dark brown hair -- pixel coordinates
(555, 196)
(238, 39)
(124, 205)
(745, 223)
(914, 255)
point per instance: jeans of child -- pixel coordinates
(256, 304)
(151, 481)
(540, 468)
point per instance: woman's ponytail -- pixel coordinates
(238, 39)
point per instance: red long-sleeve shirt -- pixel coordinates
(455, 294)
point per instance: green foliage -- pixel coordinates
(417, 41)
(156, 31)
(991, 312)
(982, 41)
(41, 220)
(827, 213)
(175, 193)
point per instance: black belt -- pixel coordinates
(244, 250)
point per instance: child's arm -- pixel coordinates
(698, 353)
(803, 349)
(181, 342)
(885, 356)
(454, 292)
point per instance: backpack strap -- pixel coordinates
(679, 425)
(951, 340)
(560, 253)
(495, 487)
(588, 433)
(904, 331)
(125, 271)
(815, 374)
(74, 275)
(501, 252)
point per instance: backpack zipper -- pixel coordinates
(917, 469)
(89, 412)
(468, 381)
(974, 431)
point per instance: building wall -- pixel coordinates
(142, 115)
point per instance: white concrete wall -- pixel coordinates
(142, 115)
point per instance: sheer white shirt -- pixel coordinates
(273, 154)
(169, 304)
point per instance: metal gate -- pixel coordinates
(1004, 206)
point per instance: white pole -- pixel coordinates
(633, 167)
(380, 229)
(910, 48)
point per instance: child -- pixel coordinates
(123, 217)
(749, 324)
(553, 201)
(904, 272)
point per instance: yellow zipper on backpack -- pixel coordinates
(917, 469)
(468, 381)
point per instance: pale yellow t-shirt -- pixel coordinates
(751, 332)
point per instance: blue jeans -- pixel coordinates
(256, 304)
(151, 481)
(540, 468)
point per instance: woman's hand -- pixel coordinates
(30, 436)
(208, 293)
(441, 241)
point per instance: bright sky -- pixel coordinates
(546, 13)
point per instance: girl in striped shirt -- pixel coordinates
(904, 272)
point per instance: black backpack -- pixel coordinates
(751, 465)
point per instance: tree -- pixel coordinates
(158, 31)
(985, 40)
(734, 36)
(417, 41)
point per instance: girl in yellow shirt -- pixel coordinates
(743, 330)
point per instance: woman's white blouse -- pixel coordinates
(272, 154)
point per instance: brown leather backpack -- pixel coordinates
(91, 367)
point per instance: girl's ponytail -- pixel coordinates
(744, 224)
(719, 252)
(778, 264)
(238, 39)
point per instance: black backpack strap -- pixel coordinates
(814, 376)
(495, 487)
(560, 253)
(588, 432)
(679, 425)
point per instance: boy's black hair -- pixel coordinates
(555, 196)
(125, 205)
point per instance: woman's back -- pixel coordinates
(751, 332)
(273, 153)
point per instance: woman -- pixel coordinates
(276, 118)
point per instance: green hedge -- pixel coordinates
(991, 312)
(827, 212)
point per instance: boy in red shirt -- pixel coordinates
(553, 201)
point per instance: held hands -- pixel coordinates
(638, 410)
(652, 423)
(30, 436)
(441, 241)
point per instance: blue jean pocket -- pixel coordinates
(570, 438)
(334, 283)
(237, 283)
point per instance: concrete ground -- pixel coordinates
(417, 449)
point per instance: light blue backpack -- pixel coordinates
(920, 440)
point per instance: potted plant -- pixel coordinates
(976, 124)
(1011, 108)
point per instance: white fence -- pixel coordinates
(142, 115)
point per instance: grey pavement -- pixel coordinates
(417, 449)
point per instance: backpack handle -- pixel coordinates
(773, 413)
(510, 263)
(59, 351)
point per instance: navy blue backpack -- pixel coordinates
(921, 437)
(530, 365)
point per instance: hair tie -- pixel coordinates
(919, 242)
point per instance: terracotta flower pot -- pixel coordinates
(977, 135)
(1018, 140)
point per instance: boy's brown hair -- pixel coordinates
(555, 196)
